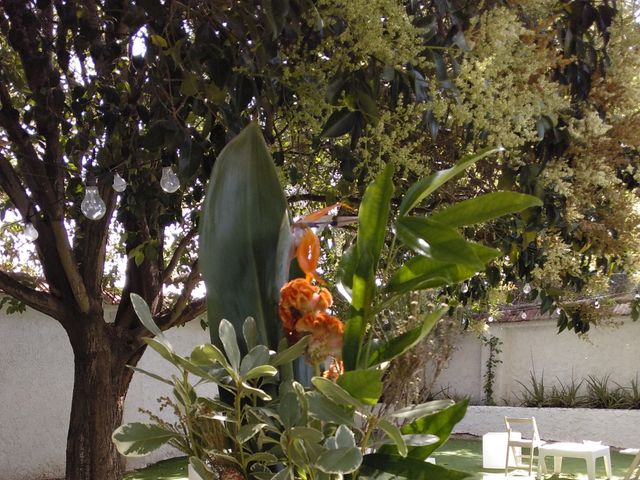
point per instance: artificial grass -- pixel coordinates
(457, 454)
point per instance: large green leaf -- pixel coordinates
(388, 467)
(421, 272)
(425, 187)
(243, 238)
(372, 222)
(485, 207)
(335, 392)
(322, 408)
(437, 241)
(440, 424)
(138, 439)
(386, 351)
(365, 385)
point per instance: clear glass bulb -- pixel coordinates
(30, 232)
(119, 183)
(169, 181)
(523, 315)
(527, 288)
(464, 288)
(92, 205)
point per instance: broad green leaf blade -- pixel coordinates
(306, 433)
(378, 466)
(227, 335)
(372, 222)
(345, 437)
(437, 241)
(162, 348)
(386, 351)
(201, 469)
(261, 371)
(439, 424)
(335, 392)
(365, 385)
(425, 187)
(138, 439)
(242, 238)
(144, 314)
(291, 353)
(257, 356)
(322, 408)
(208, 355)
(250, 332)
(420, 273)
(249, 430)
(416, 411)
(340, 460)
(485, 207)
(151, 374)
(393, 432)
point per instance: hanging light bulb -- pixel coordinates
(119, 183)
(527, 288)
(92, 205)
(464, 288)
(169, 181)
(30, 232)
(523, 315)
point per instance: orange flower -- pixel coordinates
(336, 368)
(299, 298)
(326, 336)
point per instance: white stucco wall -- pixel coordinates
(536, 346)
(617, 428)
(36, 381)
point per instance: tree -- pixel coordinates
(90, 89)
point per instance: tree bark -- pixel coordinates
(101, 380)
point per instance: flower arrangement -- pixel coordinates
(277, 419)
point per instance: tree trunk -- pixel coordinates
(100, 384)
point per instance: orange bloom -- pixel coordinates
(326, 336)
(299, 298)
(336, 368)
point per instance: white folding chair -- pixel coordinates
(633, 473)
(529, 439)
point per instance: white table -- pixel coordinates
(635, 463)
(589, 451)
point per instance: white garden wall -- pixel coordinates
(536, 346)
(36, 381)
(617, 428)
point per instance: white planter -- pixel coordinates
(617, 428)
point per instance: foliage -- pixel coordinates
(493, 343)
(317, 433)
(590, 392)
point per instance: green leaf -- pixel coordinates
(229, 341)
(322, 408)
(291, 353)
(306, 433)
(162, 348)
(249, 430)
(372, 222)
(340, 460)
(335, 392)
(440, 424)
(201, 469)
(144, 314)
(257, 356)
(485, 207)
(420, 273)
(290, 410)
(250, 332)
(138, 439)
(365, 385)
(261, 371)
(189, 85)
(339, 123)
(261, 394)
(344, 437)
(244, 234)
(208, 355)
(425, 187)
(393, 432)
(436, 241)
(158, 40)
(397, 345)
(378, 466)
(151, 374)
(416, 411)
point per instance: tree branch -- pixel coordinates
(41, 301)
(175, 258)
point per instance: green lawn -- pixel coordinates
(465, 455)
